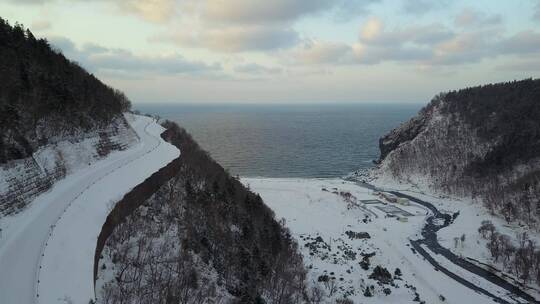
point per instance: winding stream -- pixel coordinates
(429, 234)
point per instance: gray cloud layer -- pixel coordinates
(421, 7)
(536, 14)
(251, 25)
(477, 37)
(257, 69)
(234, 39)
(98, 58)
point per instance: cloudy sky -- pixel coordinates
(290, 51)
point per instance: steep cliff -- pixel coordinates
(481, 142)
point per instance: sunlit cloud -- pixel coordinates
(287, 41)
(151, 10)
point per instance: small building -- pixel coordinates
(402, 201)
(389, 197)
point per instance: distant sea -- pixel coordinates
(288, 140)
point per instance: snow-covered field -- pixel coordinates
(471, 215)
(47, 251)
(321, 216)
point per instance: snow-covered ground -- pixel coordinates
(315, 208)
(471, 215)
(47, 251)
(22, 180)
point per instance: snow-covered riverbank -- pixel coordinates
(325, 216)
(471, 215)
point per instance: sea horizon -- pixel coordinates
(291, 141)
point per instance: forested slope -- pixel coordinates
(482, 142)
(44, 96)
(55, 117)
(201, 238)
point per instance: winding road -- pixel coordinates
(429, 234)
(41, 254)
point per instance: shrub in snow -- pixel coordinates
(368, 291)
(381, 274)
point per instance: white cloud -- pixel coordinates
(151, 10)
(471, 18)
(421, 7)
(40, 25)
(257, 69)
(536, 11)
(260, 11)
(374, 33)
(524, 42)
(527, 64)
(234, 38)
(317, 52)
(98, 58)
(479, 37)
(372, 29)
(247, 25)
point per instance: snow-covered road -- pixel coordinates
(47, 251)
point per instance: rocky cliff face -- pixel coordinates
(482, 142)
(21, 180)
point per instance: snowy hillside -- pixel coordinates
(478, 148)
(47, 250)
(21, 180)
(476, 247)
(479, 142)
(199, 237)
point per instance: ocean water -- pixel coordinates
(288, 140)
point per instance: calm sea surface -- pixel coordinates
(286, 140)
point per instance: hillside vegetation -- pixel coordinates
(482, 142)
(201, 238)
(55, 117)
(44, 96)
